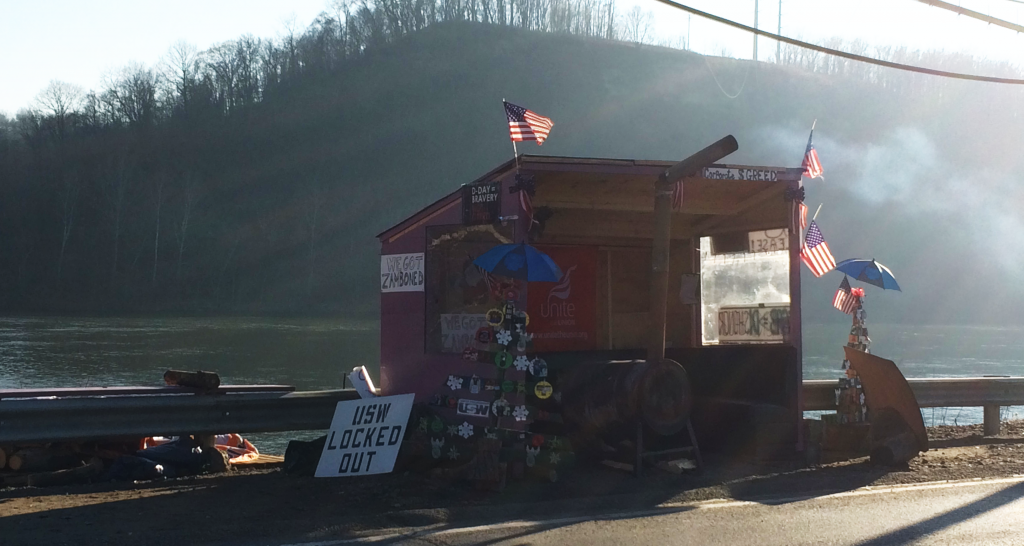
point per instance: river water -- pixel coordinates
(314, 353)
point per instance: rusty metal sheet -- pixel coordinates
(885, 387)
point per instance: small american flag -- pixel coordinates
(815, 252)
(677, 195)
(803, 216)
(526, 125)
(844, 300)
(811, 164)
(527, 205)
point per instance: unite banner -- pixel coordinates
(563, 315)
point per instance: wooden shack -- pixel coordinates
(733, 311)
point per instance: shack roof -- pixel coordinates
(622, 185)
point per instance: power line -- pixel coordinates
(843, 54)
(973, 14)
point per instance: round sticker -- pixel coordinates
(452, 402)
(537, 440)
(504, 359)
(498, 407)
(543, 390)
(437, 425)
(508, 386)
(495, 317)
(469, 353)
(539, 367)
(511, 295)
(484, 335)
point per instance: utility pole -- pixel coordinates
(755, 26)
(778, 44)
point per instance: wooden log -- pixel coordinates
(68, 476)
(196, 380)
(42, 460)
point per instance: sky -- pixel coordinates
(79, 42)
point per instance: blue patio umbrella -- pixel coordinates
(519, 261)
(869, 271)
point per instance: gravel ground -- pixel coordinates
(268, 506)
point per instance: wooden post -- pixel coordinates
(663, 235)
(991, 425)
(796, 320)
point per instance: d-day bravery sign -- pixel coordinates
(365, 436)
(481, 203)
(401, 272)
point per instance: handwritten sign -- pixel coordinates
(481, 203)
(365, 436)
(723, 173)
(753, 324)
(769, 240)
(458, 330)
(401, 272)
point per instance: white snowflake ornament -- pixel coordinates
(465, 430)
(522, 363)
(455, 383)
(554, 458)
(520, 413)
(453, 430)
(453, 453)
(503, 337)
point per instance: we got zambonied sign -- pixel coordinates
(365, 436)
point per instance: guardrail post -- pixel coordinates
(991, 420)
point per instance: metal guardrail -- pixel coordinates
(25, 420)
(933, 393)
(49, 419)
(989, 393)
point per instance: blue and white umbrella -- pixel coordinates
(519, 261)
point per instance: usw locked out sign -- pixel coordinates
(365, 436)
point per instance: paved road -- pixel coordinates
(990, 512)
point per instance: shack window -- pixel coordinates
(458, 293)
(745, 289)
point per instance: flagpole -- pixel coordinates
(515, 150)
(816, 212)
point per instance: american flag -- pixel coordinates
(526, 125)
(677, 195)
(815, 252)
(527, 205)
(844, 300)
(811, 164)
(803, 216)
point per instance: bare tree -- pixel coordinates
(60, 100)
(637, 26)
(68, 202)
(131, 94)
(159, 184)
(181, 69)
(189, 197)
(312, 215)
(115, 189)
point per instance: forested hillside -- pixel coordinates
(252, 178)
